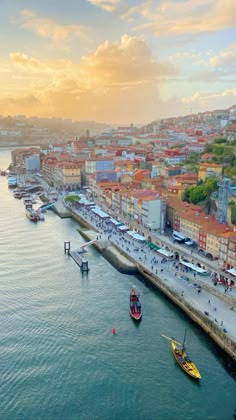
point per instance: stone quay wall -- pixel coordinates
(111, 254)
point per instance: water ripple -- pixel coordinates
(59, 360)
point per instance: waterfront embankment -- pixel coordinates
(211, 329)
(119, 261)
(122, 260)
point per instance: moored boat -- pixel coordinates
(31, 214)
(18, 193)
(135, 307)
(181, 357)
(12, 181)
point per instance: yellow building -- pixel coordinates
(208, 170)
(67, 176)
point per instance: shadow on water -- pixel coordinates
(226, 361)
(228, 364)
(136, 323)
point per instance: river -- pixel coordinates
(58, 357)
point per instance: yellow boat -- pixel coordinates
(182, 359)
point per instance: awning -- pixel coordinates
(136, 235)
(153, 246)
(164, 252)
(123, 228)
(194, 267)
(232, 271)
(100, 213)
(115, 222)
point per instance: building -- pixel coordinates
(209, 170)
(62, 171)
(230, 131)
(99, 164)
(227, 257)
(193, 223)
(32, 163)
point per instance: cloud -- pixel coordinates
(123, 64)
(117, 82)
(126, 64)
(48, 28)
(23, 103)
(32, 64)
(226, 58)
(108, 5)
(209, 101)
(213, 76)
(185, 17)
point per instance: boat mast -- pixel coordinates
(183, 345)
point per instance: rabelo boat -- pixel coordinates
(135, 305)
(181, 357)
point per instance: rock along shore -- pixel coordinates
(126, 264)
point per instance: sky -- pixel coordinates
(116, 61)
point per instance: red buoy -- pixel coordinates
(113, 331)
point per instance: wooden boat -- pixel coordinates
(12, 181)
(135, 305)
(18, 193)
(182, 359)
(31, 214)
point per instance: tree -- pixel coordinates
(210, 185)
(186, 195)
(73, 198)
(197, 194)
(218, 150)
(208, 148)
(231, 172)
(233, 215)
(220, 140)
(193, 158)
(210, 205)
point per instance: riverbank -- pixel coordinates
(112, 255)
(121, 260)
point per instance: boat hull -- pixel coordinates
(136, 316)
(135, 308)
(184, 362)
(32, 215)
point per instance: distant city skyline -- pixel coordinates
(116, 61)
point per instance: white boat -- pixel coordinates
(12, 181)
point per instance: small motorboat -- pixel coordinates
(135, 307)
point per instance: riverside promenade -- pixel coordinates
(209, 306)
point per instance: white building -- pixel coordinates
(152, 213)
(32, 163)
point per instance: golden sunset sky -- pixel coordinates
(117, 61)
